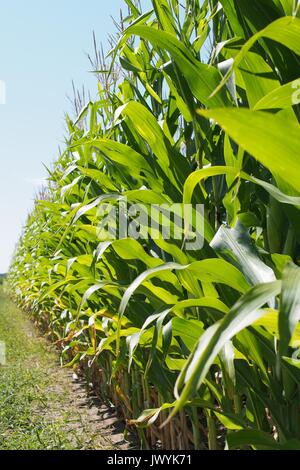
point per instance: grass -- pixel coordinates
(37, 408)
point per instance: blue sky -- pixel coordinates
(43, 46)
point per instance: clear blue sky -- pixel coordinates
(43, 46)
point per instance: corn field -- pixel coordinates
(198, 103)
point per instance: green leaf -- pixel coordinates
(202, 79)
(289, 313)
(165, 16)
(263, 135)
(209, 270)
(286, 31)
(282, 97)
(230, 421)
(259, 440)
(236, 246)
(197, 176)
(148, 128)
(258, 77)
(251, 438)
(245, 312)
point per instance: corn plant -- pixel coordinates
(197, 348)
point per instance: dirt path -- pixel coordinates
(43, 406)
